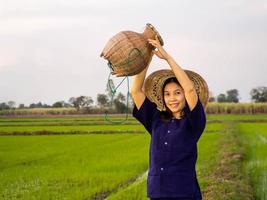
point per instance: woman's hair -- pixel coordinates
(167, 115)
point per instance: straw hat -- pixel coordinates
(155, 81)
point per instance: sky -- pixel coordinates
(50, 49)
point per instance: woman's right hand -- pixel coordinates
(159, 51)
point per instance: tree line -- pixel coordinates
(105, 102)
(257, 95)
(120, 103)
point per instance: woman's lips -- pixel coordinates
(174, 105)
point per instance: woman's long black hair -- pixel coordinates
(167, 115)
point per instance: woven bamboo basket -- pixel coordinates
(128, 52)
(155, 81)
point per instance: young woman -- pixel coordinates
(174, 132)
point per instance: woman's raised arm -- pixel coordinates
(183, 79)
(137, 90)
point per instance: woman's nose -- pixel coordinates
(172, 97)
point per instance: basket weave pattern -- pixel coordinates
(129, 52)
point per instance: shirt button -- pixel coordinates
(169, 131)
(166, 143)
(161, 169)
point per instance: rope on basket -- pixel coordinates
(113, 89)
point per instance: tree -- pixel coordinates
(45, 106)
(11, 104)
(3, 106)
(75, 102)
(72, 101)
(87, 101)
(102, 100)
(39, 105)
(32, 105)
(120, 97)
(57, 104)
(259, 94)
(232, 96)
(119, 103)
(81, 101)
(67, 105)
(36, 105)
(21, 106)
(221, 98)
(61, 104)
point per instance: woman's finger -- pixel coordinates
(153, 44)
(150, 40)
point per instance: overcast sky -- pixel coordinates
(49, 49)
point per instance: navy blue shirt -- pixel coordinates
(173, 150)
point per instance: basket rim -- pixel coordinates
(157, 33)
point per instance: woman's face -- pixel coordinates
(174, 98)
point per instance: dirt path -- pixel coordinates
(227, 179)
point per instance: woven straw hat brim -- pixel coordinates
(155, 81)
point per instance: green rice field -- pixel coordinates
(90, 158)
(254, 138)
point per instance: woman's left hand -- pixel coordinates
(159, 51)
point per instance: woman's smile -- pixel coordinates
(174, 105)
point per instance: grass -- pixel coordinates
(236, 118)
(74, 126)
(70, 167)
(71, 118)
(95, 166)
(226, 179)
(10, 129)
(254, 139)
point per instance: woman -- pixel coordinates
(174, 132)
